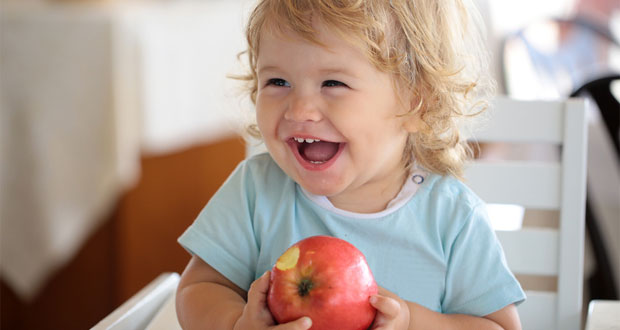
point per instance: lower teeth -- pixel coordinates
(317, 162)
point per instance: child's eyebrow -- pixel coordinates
(266, 68)
(325, 71)
(338, 71)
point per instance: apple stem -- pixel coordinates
(304, 287)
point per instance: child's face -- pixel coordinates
(337, 96)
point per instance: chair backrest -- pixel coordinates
(543, 185)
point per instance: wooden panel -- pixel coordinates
(529, 184)
(538, 312)
(531, 251)
(151, 216)
(542, 120)
(76, 297)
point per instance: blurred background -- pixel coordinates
(118, 123)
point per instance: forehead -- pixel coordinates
(323, 40)
(311, 27)
(326, 47)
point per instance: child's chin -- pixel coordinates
(328, 190)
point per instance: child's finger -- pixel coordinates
(387, 306)
(257, 294)
(302, 323)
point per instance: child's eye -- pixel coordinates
(333, 83)
(278, 82)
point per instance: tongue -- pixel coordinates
(319, 151)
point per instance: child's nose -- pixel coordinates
(303, 108)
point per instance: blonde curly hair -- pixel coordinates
(433, 49)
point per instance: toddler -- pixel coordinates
(359, 103)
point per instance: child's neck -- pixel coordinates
(367, 200)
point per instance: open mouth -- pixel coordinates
(315, 151)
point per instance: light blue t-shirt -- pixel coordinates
(435, 247)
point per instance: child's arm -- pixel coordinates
(395, 313)
(208, 300)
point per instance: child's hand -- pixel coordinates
(256, 314)
(392, 312)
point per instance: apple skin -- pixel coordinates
(326, 279)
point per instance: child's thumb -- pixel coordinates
(385, 305)
(258, 289)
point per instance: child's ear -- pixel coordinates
(412, 121)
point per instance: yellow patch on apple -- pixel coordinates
(288, 260)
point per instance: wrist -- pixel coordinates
(422, 318)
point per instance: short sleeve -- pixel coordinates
(478, 281)
(222, 235)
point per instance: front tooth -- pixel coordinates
(302, 140)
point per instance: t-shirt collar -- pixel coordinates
(414, 181)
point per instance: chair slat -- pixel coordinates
(542, 120)
(538, 312)
(531, 185)
(532, 251)
(572, 216)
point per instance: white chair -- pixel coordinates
(556, 252)
(152, 308)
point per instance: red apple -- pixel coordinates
(326, 279)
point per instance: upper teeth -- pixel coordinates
(302, 140)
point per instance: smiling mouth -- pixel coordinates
(315, 151)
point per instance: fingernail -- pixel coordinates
(373, 299)
(306, 322)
